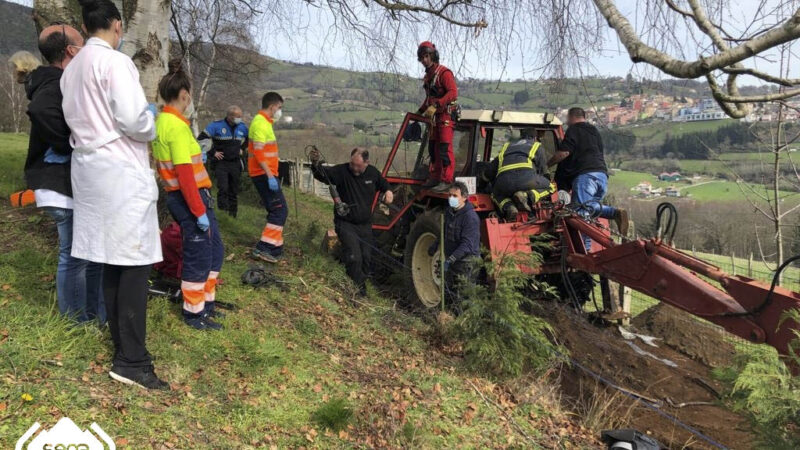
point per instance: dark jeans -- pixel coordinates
(78, 282)
(588, 191)
(203, 252)
(357, 242)
(125, 291)
(228, 174)
(460, 279)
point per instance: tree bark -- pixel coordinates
(776, 184)
(146, 33)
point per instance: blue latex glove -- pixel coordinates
(446, 265)
(52, 157)
(205, 157)
(152, 108)
(273, 184)
(203, 223)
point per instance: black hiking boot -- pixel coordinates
(212, 312)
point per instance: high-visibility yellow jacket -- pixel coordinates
(174, 145)
(262, 146)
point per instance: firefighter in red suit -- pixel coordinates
(441, 94)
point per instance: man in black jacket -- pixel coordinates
(582, 168)
(47, 172)
(357, 183)
(462, 241)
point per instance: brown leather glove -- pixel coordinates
(430, 112)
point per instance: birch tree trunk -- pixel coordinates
(146, 32)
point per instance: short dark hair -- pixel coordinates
(462, 187)
(270, 98)
(576, 112)
(98, 14)
(54, 46)
(361, 151)
(171, 85)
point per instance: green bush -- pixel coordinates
(500, 335)
(764, 386)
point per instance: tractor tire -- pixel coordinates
(423, 282)
(581, 282)
(384, 264)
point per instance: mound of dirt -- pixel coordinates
(686, 334)
(665, 376)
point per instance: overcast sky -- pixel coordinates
(314, 44)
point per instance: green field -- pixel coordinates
(703, 190)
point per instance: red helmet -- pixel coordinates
(427, 44)
(425, 48)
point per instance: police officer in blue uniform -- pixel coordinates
(228, 142)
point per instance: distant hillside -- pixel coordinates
(374, 102)
(16, 29)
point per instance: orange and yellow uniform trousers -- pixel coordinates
(180, 165)
(263, 150)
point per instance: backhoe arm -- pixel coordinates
(739, 304)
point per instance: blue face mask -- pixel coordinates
(453, 202)
(119, 46)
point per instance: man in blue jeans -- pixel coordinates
(47, 172)
(582, 167)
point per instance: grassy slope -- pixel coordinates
(282, 355)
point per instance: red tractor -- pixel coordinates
(744, 307)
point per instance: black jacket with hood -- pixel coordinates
(49, 130)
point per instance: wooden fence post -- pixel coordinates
(750, 265)
(733, 263)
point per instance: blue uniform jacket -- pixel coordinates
(226, 139)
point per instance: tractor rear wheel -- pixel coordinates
(424, 282)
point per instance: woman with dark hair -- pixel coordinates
(180, 165)
(114, 188)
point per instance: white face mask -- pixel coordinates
(237, 120)
(278, 115)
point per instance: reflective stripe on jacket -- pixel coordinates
(174, 145)
(517, 156)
